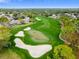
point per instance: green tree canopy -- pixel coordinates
(63, 52)
(4, 19)
(4, 35)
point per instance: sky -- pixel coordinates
(39, 3)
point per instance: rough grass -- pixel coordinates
(8, 54)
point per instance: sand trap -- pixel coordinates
(20, 34)
(35, 51)
(27, 28)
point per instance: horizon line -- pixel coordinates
(43, 8)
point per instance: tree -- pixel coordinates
(69, 31)
(4, 36)
(63, 52)
(4, 19)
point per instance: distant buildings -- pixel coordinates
(72, 15)
(24, 19)
(55, 16)
(14, 21)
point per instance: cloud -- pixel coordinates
(4, 1)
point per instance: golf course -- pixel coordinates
(36, 40)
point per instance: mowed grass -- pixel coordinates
(38, 36)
